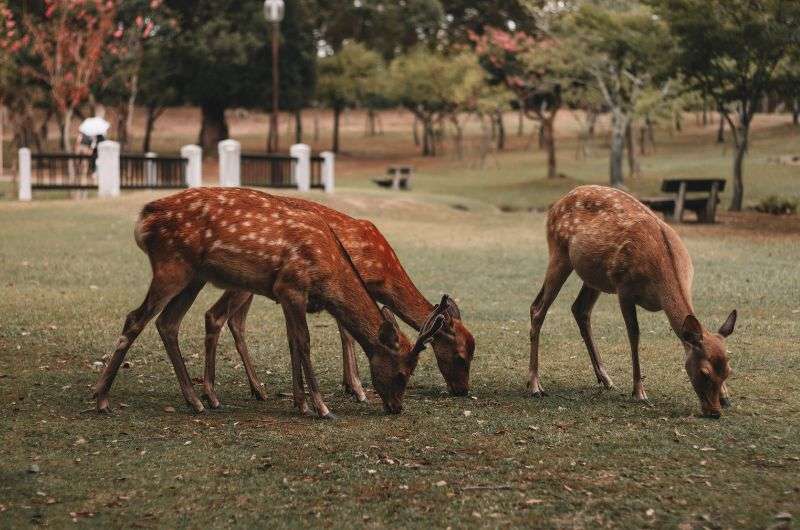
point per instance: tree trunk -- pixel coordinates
(214, 128)
(370, 122)
(122, 126)
(428, 137)
(298, 126)
(618, 126)
(131, 107)
(678, 121)
(521, 120)
(501, 130)
(65, 131)
(415, 131)
(738, 163)
(721, 130)
(152, 116)
(796, 111)
(592, 117)
(630, 144)
(336, 114)
(549, 139)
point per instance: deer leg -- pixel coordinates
(582, 311)
(237, 326)
(163, 287)
(300, 346)
(351, 382)
(558, 270)
(216, 317)
(168, 324)
(725, 396)
(632, 325)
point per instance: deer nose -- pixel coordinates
(392, 408)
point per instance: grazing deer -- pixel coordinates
(386, 280)
(248, 240)
(617, 245)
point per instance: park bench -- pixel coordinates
(703, 202)
(399, 178)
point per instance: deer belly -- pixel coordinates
(593, 269)
(243, 276)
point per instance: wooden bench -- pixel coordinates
(399, 178)
(703, 203)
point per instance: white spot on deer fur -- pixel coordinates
(195, 205)
(208, 233)
(179, 215)
(246, 224)
(274, 215)
(232, 229)
(262, 240)
(237, 212)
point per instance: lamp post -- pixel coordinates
(273, 12)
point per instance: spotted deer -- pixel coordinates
(386, 280)
(617, 245)
(250, 241)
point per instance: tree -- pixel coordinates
(534, 70)
(138, 23)
(433, 86)
(626, 51)
(67, 42)
(348, 78)
(730, 50)
(222, 58)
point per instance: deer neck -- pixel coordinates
(360, 316)
(406, 301)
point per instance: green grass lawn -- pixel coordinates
(70, 271)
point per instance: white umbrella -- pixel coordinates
(94, 126)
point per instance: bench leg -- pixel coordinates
(680, 200)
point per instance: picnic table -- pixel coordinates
(399, 178)
(703, 201)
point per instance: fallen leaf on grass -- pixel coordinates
(534, 501)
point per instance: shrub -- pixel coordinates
(778, 205)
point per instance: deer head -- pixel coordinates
(707, 361)
(392, 367)
(454, 346)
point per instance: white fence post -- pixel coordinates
(328, 170)
(230, 155)
(151, 169)
(194, 166)
(25, 174)
(108, 169)
(302, 169)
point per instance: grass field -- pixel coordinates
(583, 457)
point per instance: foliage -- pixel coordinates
(67, 42)
(776, 205)
(626, 51)
(434, 86)
(351, 77)
(729, 50)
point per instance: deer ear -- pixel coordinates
(449, 307)
(390, 331)
(727, 328)
(692, 331)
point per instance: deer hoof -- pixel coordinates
(197, 406)
(329, 416)
(639, 395)
(258, 394)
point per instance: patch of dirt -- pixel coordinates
(748, 223)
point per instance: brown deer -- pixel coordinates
(617, 245)
(386, 280)
(247, 240)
